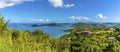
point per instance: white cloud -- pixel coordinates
(40, 20)
(8, 3)
(56, 3)
(60, 3)
(79, 18)
(101, 16)
(47, 19)
(69, 5)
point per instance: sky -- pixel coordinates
(60, 11)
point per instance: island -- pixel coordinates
(47, 24)
(52, 24)
(35, 25)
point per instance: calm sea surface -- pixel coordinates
(52, 31)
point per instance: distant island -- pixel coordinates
(110, 23)
(52, 24)
(35, 25)
(48, 24)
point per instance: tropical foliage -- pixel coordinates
(101, 39)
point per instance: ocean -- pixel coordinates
(50, 30)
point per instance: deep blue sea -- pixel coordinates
(52, 31)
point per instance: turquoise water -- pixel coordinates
(52, 31)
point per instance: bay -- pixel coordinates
(50, 30)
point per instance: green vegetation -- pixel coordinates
(86, 26)
(48, 24)
(101, 39)
(52, 24)
(12, 40)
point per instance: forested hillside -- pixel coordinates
(12, 40)
(101, 39)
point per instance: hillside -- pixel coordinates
(100, 40)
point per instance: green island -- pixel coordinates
(52, 24)
(48, 24)
(83, 37)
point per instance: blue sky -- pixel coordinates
(61, 11)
